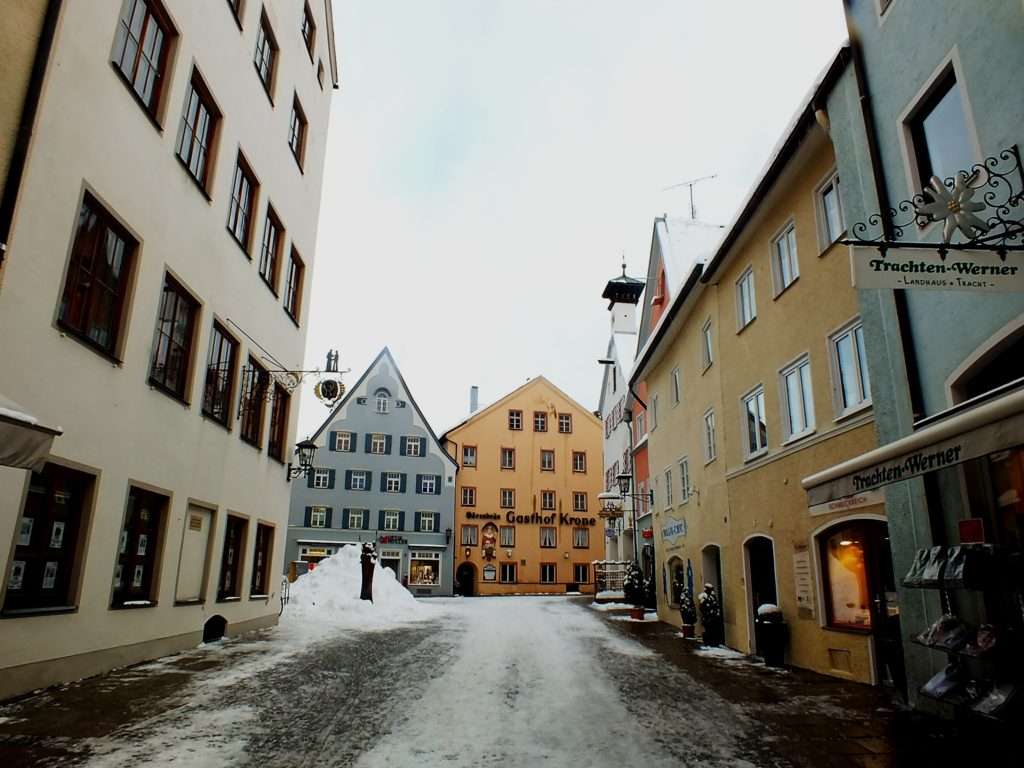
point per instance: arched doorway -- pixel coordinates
(214, 629)
(711, 571)
(465, 580)
(759, 552)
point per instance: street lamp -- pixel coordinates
(625, 481)
(305, 450)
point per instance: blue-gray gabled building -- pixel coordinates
(380, 475)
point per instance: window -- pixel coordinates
(255, 381)
(508, 458)
(357, 518)
(392, 518)
(265, 58)
(270, 249)
(469, 455)
(581, 538)
(579, 461)
(784, 263)
(297, 132)
(426, 522)
(199, 121)
(579, 501)
(831, 211)
(321, 478)
(428, 484)
(939, 134)
(565, 423)
(581, 573)
(654, 413)
(413, 446)
(46, 540)
(677, 389)
(844, 565)
(220, 375)
(540, 421)
(548, 573)
(143, 39)
(425, 569)
(229, 585)
(137, 549)
(508, 498)
(293, 286)
(279, 407)
(392, 482)
(849, 360)
(710, 451)
(92, 304)
(755, 423)
(468, 496)
(382, 401)
(668, 488)
(308, 30)
(261, 557)
(508, 573)
(243, 194)
(640, 427)
(515, 420)
(318, 516)
(547, 461)
(746, 306)
(508, 536)
(343, 441)
(378, 443)
(359, 480)
(798, 398)
(548, 536)
(684, 480)
(469, 533)
(707, 348)
(547, 500)
(172, 348)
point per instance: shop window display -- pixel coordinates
(846, 578)
(134, 571)
(425, 569)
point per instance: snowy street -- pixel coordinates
(519, 681)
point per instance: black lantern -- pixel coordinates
(624, 480)
(305, 450)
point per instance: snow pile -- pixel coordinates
(611, 607)
(329, 596)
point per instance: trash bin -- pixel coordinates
(771, 634)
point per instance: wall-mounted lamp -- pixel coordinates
(305, 450)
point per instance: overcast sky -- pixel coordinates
(489, 161)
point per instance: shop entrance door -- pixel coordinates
(761, 589)
(465, 578)
(885, 609)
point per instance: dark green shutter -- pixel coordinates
(330, 477)
(402, 442)
(330, 515)
(401, 520)
(309, 478)
(366, 519)
(333, 443)
(416, 520)
(352, 442)
(348, 479)
(309, 514)
(437, 522)
(387, 444)
(369, 481)
(344, 518)
(401, 485)
(367, 441)
(437, 485)
(423, 446)
(380, 520)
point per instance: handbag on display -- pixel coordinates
(947, 632)
(986, 639)
(916, 572)
(968, 566)
(931, 576)
(996, 699)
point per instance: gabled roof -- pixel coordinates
(384, 353)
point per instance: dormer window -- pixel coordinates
(383, 397)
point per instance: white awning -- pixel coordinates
(24, 442)
(992, 425)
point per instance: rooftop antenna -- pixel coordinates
(690, 183)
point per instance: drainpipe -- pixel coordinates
(29, 108)
(878, 175)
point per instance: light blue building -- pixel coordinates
(380, 475)
(935, 91)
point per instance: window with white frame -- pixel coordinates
(469, 534)
(580, 538)
(412, 446)
(343, 441)
(565, 423)
(515, 420)
(579, 501)
(579, 461)
(798, 397)
(684, 480)
(548, 573)
(548, 536)
(746, 303)
(469, 455)
(784, 262)
(707, 347)
(677, 386)
(382, 401)
(668, 487)
(378, 443)
(508, 573)
(358, 480)
(468, 496)
(508, 536)
(850, 368)
(540, 421)
(321, 478)
(508, 498)
(427, 522)
(356, 518)
(830, 210)
(547, 461)
(508, 458)
(639, 425)
(428, 484)
(547, 500)
(391, 518)
(317, 517)
(392, 482)
(424, 569)
(710, 449)
(755, 425)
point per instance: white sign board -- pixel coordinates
(857, 501)
(926, 270)
(802, 579)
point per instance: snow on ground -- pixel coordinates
(611, 606)
(648, 616)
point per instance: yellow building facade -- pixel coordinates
(761, 371)
(526, 508)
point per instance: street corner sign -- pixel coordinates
(914, 268)
(673, 529)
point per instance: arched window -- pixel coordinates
(383, 397)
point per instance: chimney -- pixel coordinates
(474, 398)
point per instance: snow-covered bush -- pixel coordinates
(633, 585)
(687, 610)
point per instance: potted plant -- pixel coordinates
(711, 616)
(688, 612)
(770, 633)
(633, 590)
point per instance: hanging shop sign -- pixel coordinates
(983, 271)
(647, 533)
(673, 529)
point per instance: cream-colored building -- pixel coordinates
(156, 276)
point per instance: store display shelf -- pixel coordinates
(962, 652)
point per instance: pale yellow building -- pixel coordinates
(759, 367)
(526, 508)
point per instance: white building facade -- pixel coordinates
(156, 277)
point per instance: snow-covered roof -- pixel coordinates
(684, 242)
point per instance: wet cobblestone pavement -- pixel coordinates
(430, 693)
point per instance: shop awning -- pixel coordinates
(968, 432)
(24, 442)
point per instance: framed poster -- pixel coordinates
(124, 542)
(118, 570)
(137, 576)
(143, 542)
(17, 575)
